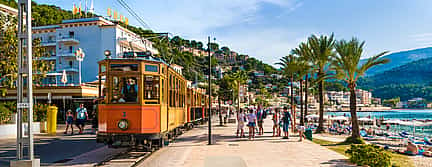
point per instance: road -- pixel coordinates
(60, 150)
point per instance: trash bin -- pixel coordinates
(52, 120)
(308, 134)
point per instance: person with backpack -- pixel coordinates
(286, 119)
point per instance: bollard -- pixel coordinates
(52, 120)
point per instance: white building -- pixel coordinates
(93, 36)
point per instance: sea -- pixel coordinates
(402, 114)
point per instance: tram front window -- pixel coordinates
(125, 90)
(151, 87)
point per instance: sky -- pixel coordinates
(269, 29)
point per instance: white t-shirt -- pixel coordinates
(251, 117)
(241, 117)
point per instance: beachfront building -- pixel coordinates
(93, 36)
(363, 97)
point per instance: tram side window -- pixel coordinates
(151, 87)
(124, 90)
(171, 91)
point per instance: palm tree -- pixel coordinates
(304, 68)
(289, 68)
(322, 51)
(239, 78)
(348, 68)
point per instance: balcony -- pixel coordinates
(48, 43)
(69, 53)
(68, 69)
(69, 40)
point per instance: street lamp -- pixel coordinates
(209, 87)
(79, 54)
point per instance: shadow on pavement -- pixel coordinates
(337, 163)
(50, 150)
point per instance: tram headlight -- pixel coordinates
(123, 124)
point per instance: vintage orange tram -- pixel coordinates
(145, 101)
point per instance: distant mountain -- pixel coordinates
(400, 58)
(411, 80)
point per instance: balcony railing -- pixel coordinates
(69, 39)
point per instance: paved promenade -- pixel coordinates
(191, 150)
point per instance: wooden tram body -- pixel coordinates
(145, 102)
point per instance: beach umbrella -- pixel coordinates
(313, 116)
(64, 77)
(340, 118)
(365, 119)
(392, 121)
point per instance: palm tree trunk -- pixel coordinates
(301, 102)
(220, 112)
(293, 116)
(306, 98)
(353, 110)
(238, 97)
(320, 127)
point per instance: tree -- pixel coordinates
(348, 68)
(224, 92)
(322, 51)
(226, 50)
(9, 54)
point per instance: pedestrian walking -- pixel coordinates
(69, 121)
(82, 116)
(241, 119)
(260, 119)
(251, 124)
(276, 123)
(301, 129)
(286, 119)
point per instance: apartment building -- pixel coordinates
(93, 36)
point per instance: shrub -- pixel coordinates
(351, 140)
(5, 114)
(368, 154)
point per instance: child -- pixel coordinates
(241, 118)
(69, 121)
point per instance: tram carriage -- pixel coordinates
(144, 102)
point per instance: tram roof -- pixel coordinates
(149, 58)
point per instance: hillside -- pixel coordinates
(400, 58)
(407, 81)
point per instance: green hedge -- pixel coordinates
(368, 154)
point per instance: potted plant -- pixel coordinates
(40, 112)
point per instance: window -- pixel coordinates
(151, 87)
(163, 91)
(70, 64)
(124, 67)
(124, 90)
(71, 49)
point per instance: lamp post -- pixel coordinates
(209, 87)
(79, 54)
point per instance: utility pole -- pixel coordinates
(210, 94)
(24, 70)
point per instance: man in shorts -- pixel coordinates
(276, 122)
(286, 119)
(260, 120)
(81, 117)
